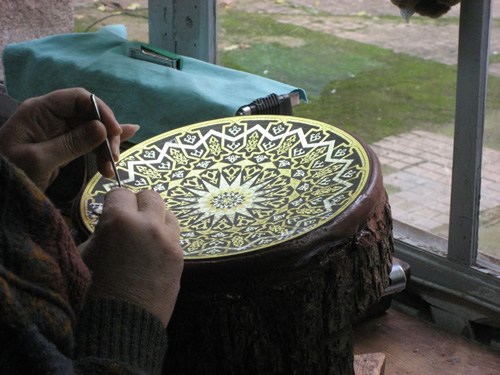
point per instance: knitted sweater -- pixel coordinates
(47, 326)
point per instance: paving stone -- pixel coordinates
(424, 173)
(399, 164)
(494, 187)
(423, 167)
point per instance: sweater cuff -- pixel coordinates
(117, 332)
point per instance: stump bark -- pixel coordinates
(286, 312)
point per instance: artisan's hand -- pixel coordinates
(49, 131)
(135, 254)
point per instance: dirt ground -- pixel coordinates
(428, 41)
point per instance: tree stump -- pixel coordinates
(287, 235)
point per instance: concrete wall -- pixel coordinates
(22, 20)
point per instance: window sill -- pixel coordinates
(464, 300)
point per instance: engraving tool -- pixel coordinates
(106, 142)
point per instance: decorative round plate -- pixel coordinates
(244, 183)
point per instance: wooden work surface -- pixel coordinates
(412, 346)
(369, 364)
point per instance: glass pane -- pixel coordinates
(489, 220)
(369, 72)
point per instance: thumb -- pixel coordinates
(84, 248)
(75, 143)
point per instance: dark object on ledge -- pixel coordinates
(399, 278)
(428, 8)
(271, 105)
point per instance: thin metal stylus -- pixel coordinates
(106, 142)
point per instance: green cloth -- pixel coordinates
(156, 97)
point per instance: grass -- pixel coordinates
(362, 88)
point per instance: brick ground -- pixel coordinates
(417, 175)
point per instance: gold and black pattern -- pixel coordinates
(242, 184)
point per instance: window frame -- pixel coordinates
(472, 76)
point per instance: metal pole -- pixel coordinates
(185, 27)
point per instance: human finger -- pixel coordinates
(172, 222)
(170, 217)
(151, 202)
(119, 200)
(72, 144)
(128, 131)
(76, 103)
(104, 165)
(76, 108)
